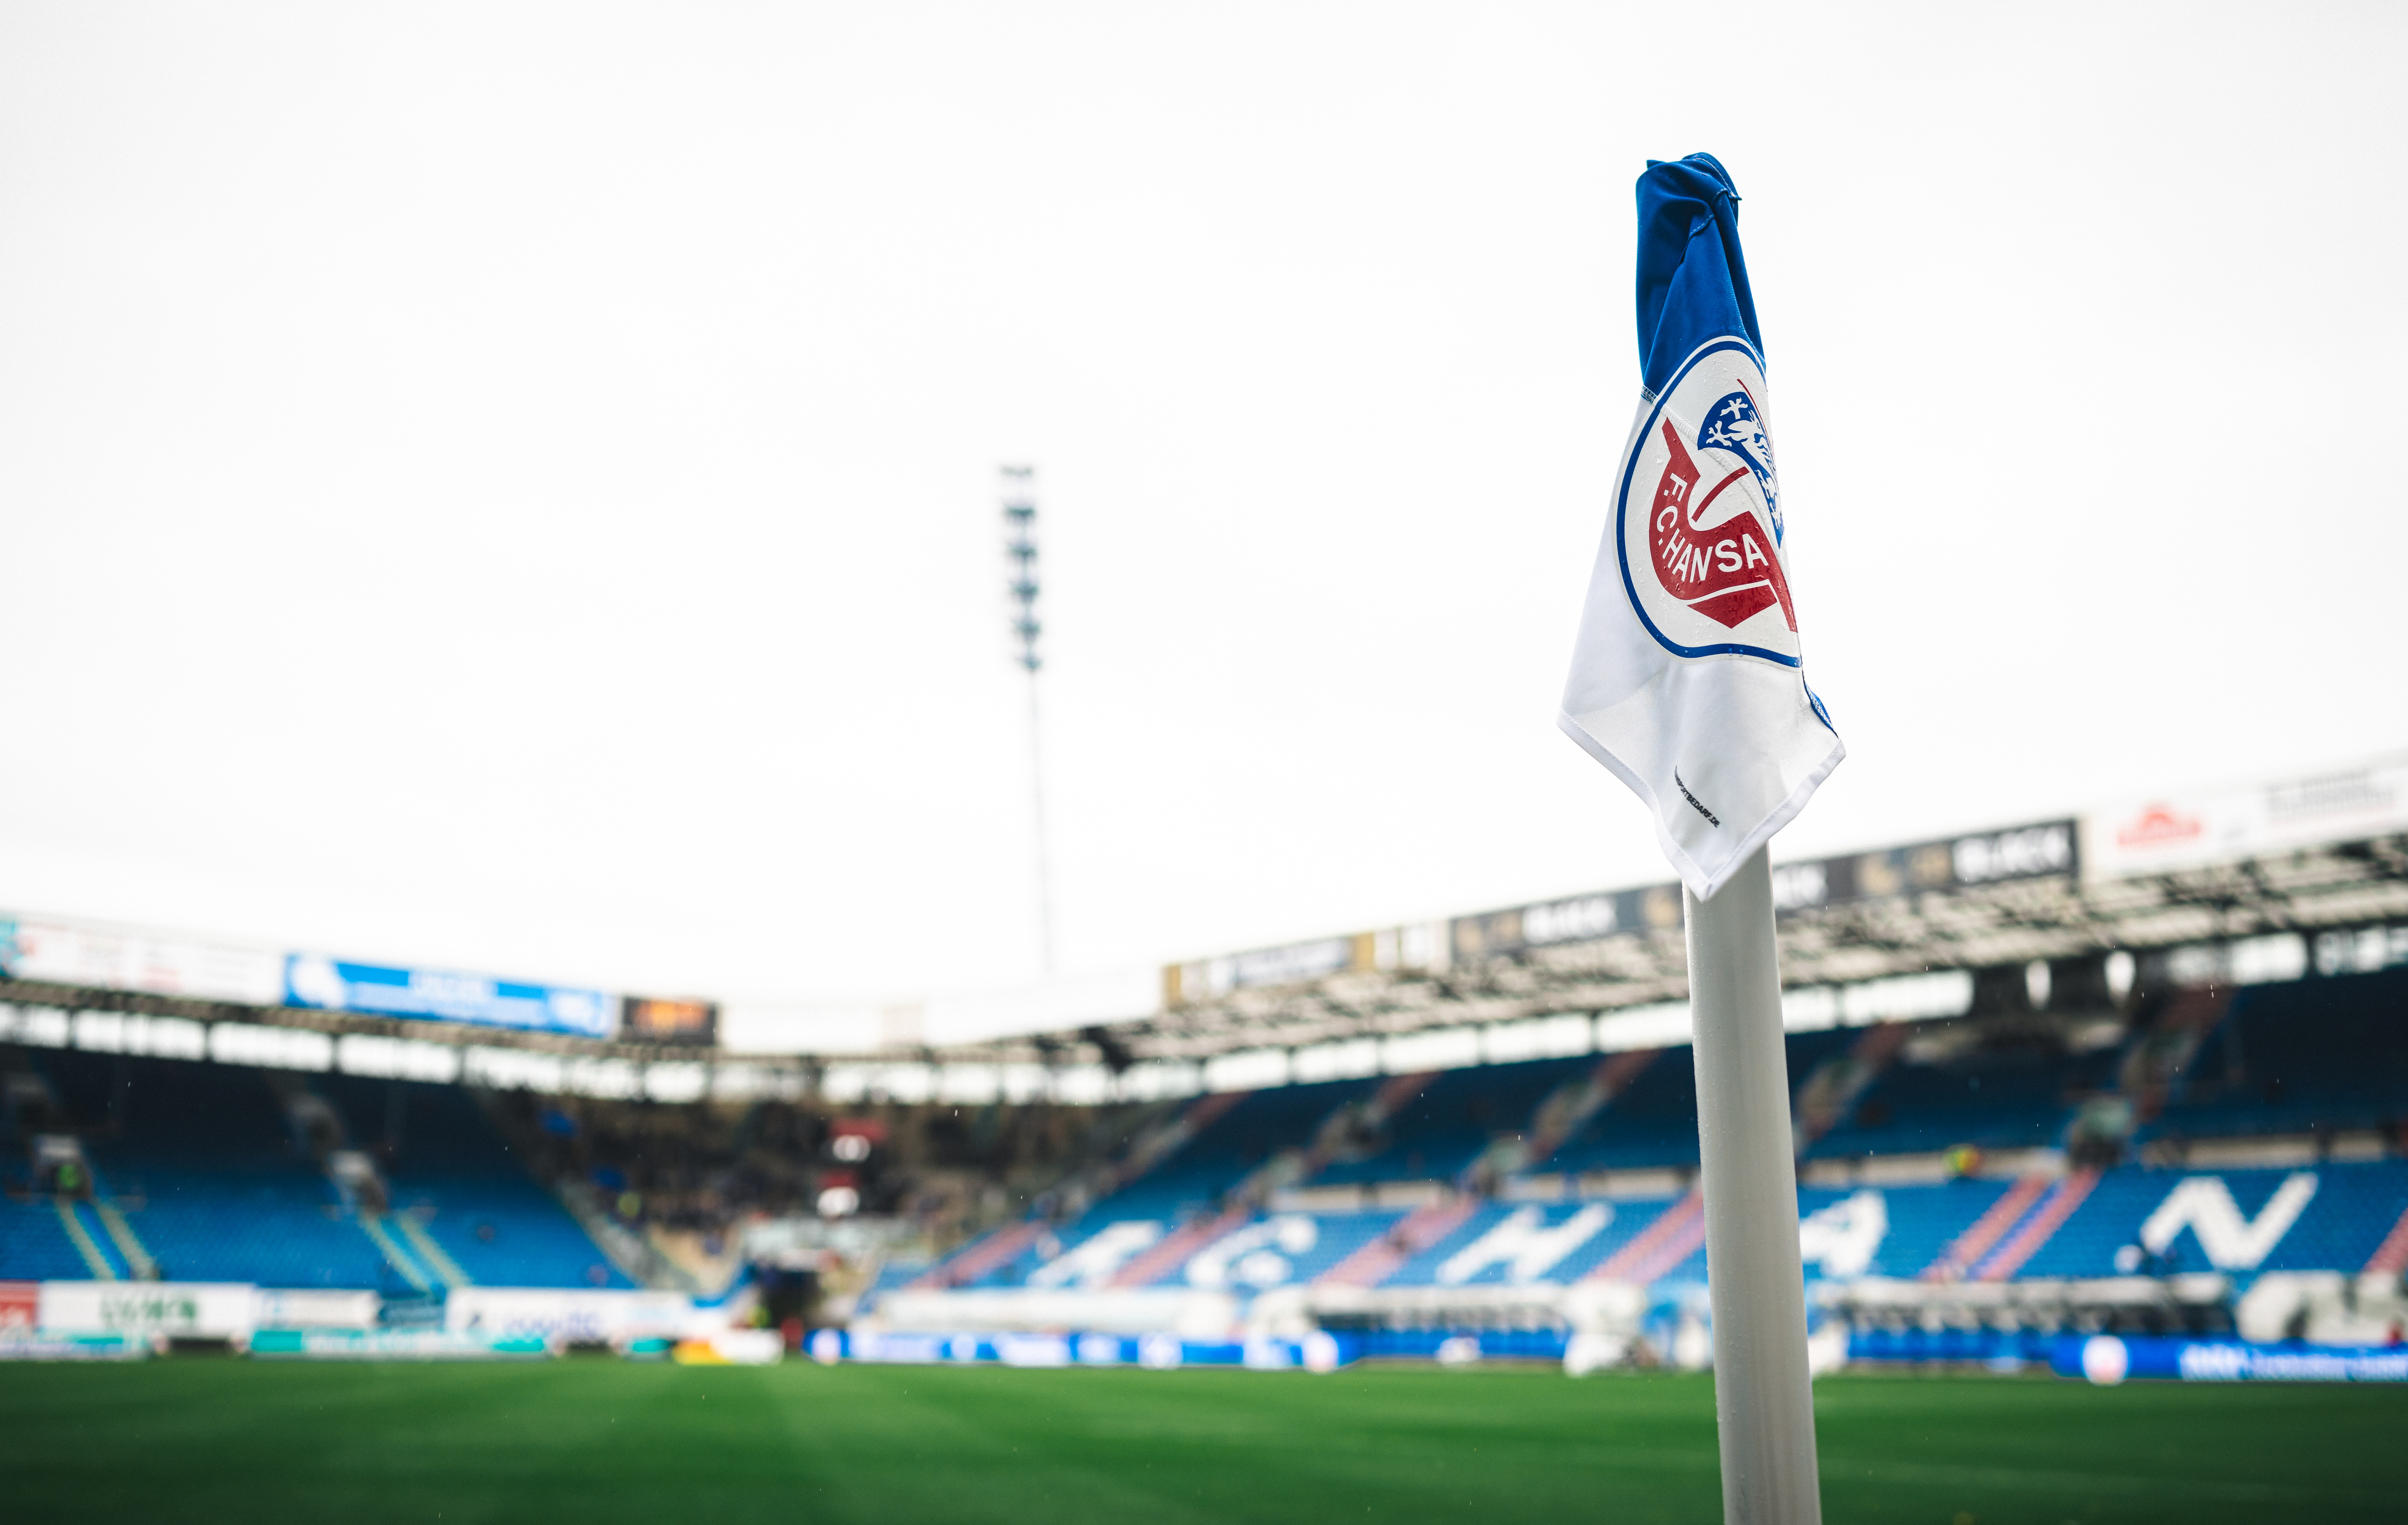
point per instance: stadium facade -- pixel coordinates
(2142, 1072)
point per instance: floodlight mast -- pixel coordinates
(1020, 549)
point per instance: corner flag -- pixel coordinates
(1688, 681)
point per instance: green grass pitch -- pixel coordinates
(597, 1440)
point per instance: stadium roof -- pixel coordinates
(1491, 968)
(2255, 881)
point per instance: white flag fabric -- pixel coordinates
(1688, 680)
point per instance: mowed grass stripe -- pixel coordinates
(602, 1442)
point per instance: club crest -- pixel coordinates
(1700, 515)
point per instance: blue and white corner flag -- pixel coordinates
(1688, 681)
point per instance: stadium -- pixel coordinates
(794, 761)
(2115, 1098)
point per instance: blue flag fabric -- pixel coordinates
(1689, 679)
(1692, 276)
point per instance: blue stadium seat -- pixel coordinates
(202, 1159)
(33, 1244)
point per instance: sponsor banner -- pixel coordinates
(2042, 850)
(102, 959)
(2039, 850)
(1581, 919)
(27, 1345)
(2171, 831)
(1117, 1310)
(1295, 964)
(644, 1018)
(2108, 1359)
(732, 1347)
(441, 995)
(190, 1309)
(296, 1308)
(393, 1344)
(21, 1304)
(566, 1314)
(1319, 1351)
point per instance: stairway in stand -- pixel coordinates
(377, 1228)
(1661, 1247)
(1967, 1249)
(95, 1258)
(981, 1256)
(1165, 1255)
(2390, 1257)
(2054, 1206)
(1376, 1262)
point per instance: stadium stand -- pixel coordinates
(2301, 1058)
(202, 1172)
(2171, 1150)
(36, 1243)
(2245, 1133)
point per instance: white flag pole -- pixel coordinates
(1763, 1394)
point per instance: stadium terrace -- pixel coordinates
(2137, 1076)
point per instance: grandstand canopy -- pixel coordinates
(1899, 911)
(2263, 881)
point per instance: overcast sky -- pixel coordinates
(512, 486)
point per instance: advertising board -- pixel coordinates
(40, 1345)
(391, 1344)
(21, 1304)
(2040, 849)
(2167, 832)
(443, 995)
(2108, 1361)
(311, 1309)
(104, 959)
(1318, 1352)
(196, 1310)
(566, 1314)
(644, 1018)
(1119, 1310)
(1292, 963)
(1579, 918)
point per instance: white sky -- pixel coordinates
(512, 486)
